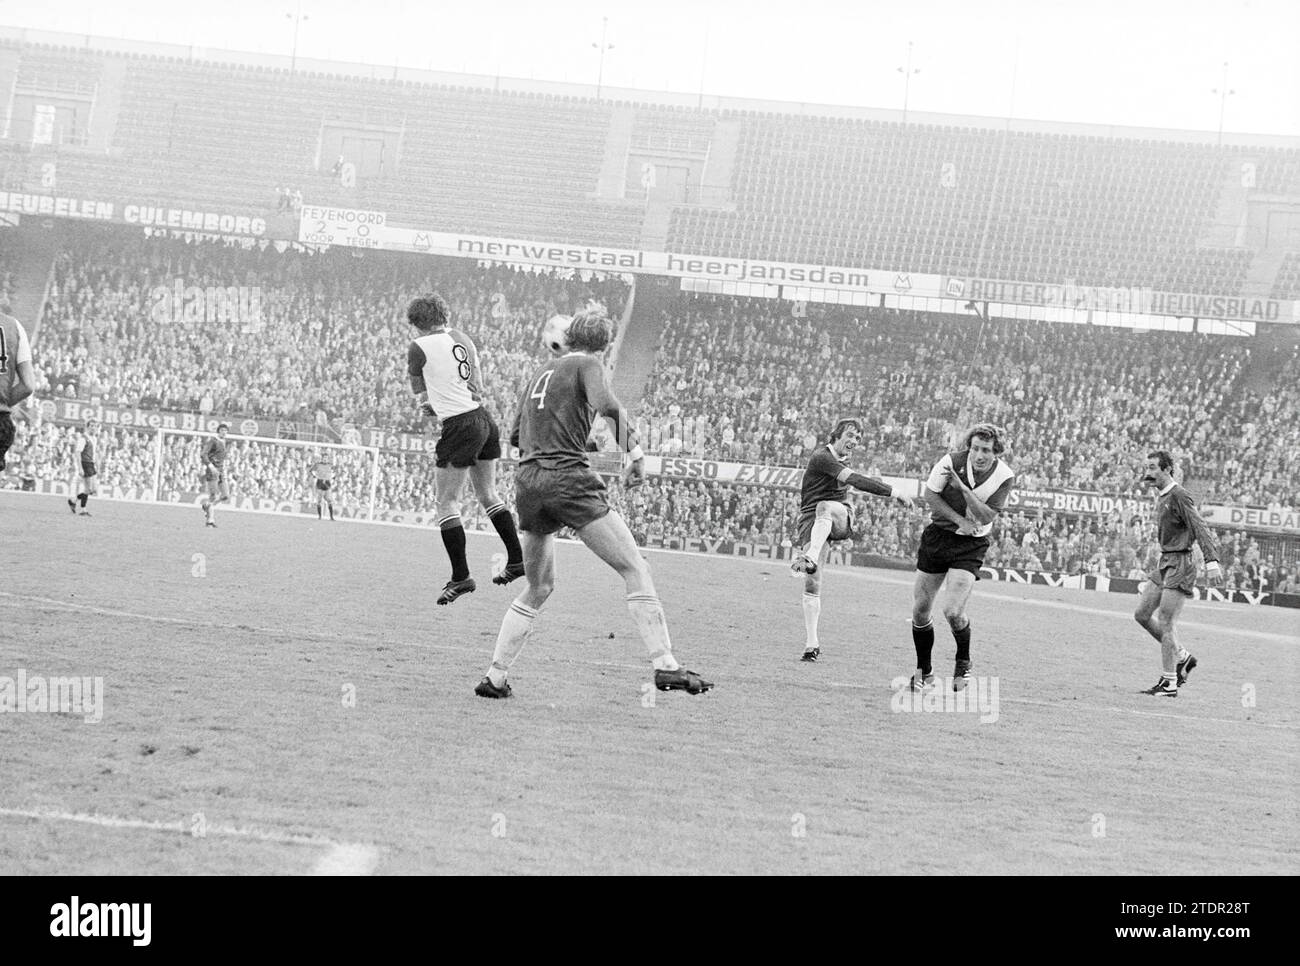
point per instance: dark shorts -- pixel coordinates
(943, 550)
(1176, 571)
(549, 500)
(808, 517)
(88, 470)
(323, 485)
(468, 438)
(6, 436)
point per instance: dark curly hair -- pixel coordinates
(428, 312)
(987, 431)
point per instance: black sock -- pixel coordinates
(963, 642)
(923, 641)
(317, 511)
(82, 498)
(504, 522)
(453, 538)
(331, 511)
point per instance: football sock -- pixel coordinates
(515, 628)
(812, 611)
(923, 641)
(317, 511)
(331, 512)
(504, 522)
(1183, 654)
(82, 498)
(963, 642)
(648, 615)
(453, 538)
(821, 530)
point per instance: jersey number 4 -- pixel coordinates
(539, 390)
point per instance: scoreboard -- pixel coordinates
(341, 226)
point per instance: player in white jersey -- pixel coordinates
(17, 379)
(448, 385)
(965, 492)
(84, 482)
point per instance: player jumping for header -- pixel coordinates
(825, 516)
(555, 488)
(1166, 588)
(448, 385)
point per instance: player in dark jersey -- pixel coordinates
(85, 469)
(965, 492)
(213, 476)
(447, 381)
(1178, 527)
(555, 488)
(17, 379)
(825, 516)
(322, 472)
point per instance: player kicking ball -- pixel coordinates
(1167, 588)
(555, 488)
(825, 516)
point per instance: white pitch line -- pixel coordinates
(1075, 705)
(342, 858)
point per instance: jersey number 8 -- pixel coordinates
(461, 355)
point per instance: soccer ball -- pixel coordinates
(555, 334)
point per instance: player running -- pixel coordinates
(1166, 588)
(322, 472)
(85, 471)
(965, 491)
(213, 477)
(448, 385)
(17, 379)
(555, 488)
(825, 516)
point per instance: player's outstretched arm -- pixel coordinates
(869, 484)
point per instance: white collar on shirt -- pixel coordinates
(1171, 485)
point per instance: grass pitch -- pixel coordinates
(283, 696)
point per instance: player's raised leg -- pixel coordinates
(609, 538)
(517, 625)
(483, 474)
(924, 591)
(956, 596)
(450, 481)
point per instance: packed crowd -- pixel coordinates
(744, 380)
(664, 512)
(314, 337)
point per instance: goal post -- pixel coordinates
(265, 474)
